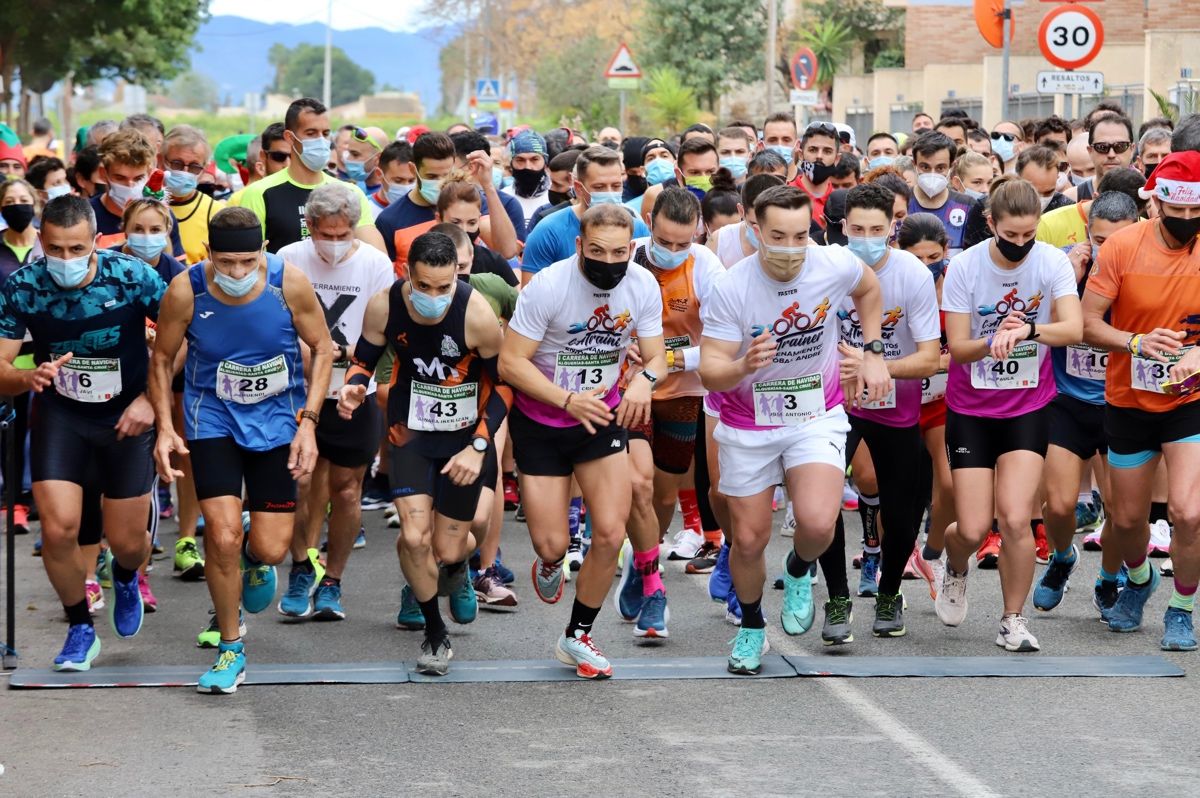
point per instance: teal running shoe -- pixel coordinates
(748, 649)
(258, 586)
(227, 672)
(410, 616)
(1126, 613)
(798, 609)
(464, 605)
(1177, 631)
(297, 602)
(327, 605)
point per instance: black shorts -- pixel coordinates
(977, 442)
(220, 467)
(1131, 431)
(353, 443)
(1077, 426)
(671, 432)
(416, 470)
(63, 444)
(544, 451)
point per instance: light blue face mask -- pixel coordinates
(54, 192)
(356, 170)
(660, 170)
(665, 259)
(604, 198)
(499, 179)
(736, 167)
(783, 152)
(429, 189)
(232, 287)
(975, 195)
(180, 184)
(396, 192)
(869, 250)
(68, 273)
(1003, 149)
(751, 236)
(147, 246)
(315, 153)
(881, 160)
(431, 307)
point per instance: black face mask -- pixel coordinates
(100, 188)
(1182, 230)
(1014, 253)
(474, 236)
(818, 172)
(604, 275)
(1149, 169)
(558, 197)
(635, 186)
(208, 188)
(526, 182)
(18, 217)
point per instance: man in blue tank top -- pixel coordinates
(249, 414)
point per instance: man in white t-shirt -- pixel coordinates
(563, 355)
(345, 275)
(770, 350)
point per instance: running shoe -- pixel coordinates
(297, 602)
(923, 568)
(392, 516)
(748, 648)
(798, 609)
(1041, 545)
(910, 567)
(464, 607)
(512, 494)
(82, 646)
(1178, 634)
(788, 528)
(889, 616)
(327, 602)
(360, 540)
(507, 576)
(103, 571)
(211, 636)
(491, 591)
(1126, 613)
(839, 616)
(95, 596)
(410, 616)
(720, 581)
(849, 498)
(652, 620)
(1091, 541)
(1014, 634)
(188, 563)
(166, 508)
(582, 654)
(37, 547)
(1160, 539)
(939, 570)
(778, 499)
(1167, 568)
(156, 547)
(988, 555)
(258, 586)
(951, 602)
(227, 672)
(868, 580)
(435, 656)
(125, 611)
(375, 492)
(1104, 596)
(705, 559)
(149, 602)
(1087, 517)
(1049, 591)
(547, 580)
(687, 544)
(628, 596)
(575, 554)
(519, 515)
(733, 609)
(20, 518)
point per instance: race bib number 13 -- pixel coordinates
(586, 371)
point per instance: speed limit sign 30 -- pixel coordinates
(1071, 36)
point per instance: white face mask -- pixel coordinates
(1045, 201)
(1064, 182)
(332, 252)
(932, 184)
(123, 195)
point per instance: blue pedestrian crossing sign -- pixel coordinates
(487, 90)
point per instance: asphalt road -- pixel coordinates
(863, 737)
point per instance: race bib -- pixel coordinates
(679, 342)
(1148, 374)
(575, 371)
(1018, 370)
(89, 379)
(886, 403)
(248, 385)
(789, 402)
(337, 378)
(934, 388)
(443, 408)
(1086, 362)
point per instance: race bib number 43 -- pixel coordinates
(248, 385)
(789, 402)
(1018, 370)
(89, 379)
(443, 408)
(585, 371)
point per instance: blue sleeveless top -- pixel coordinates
(244, 378)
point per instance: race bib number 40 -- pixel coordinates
(89, 379)
(585, 371)
(248, 385)
(789, 402)
(443, 408)
(1149, 374)
(1086, 362)
(1018, 370)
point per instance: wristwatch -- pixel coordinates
(479, 444)
(874, 347)
(310, 415)
(1033, 333)
(652, 377)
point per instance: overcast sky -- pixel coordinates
(347, 14)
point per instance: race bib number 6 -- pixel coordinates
(789, 402)
(89, 379)
(1018, 370)
(248, 385)
(585, 371)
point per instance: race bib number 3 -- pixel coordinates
(1148, 374)
(1086, 362)
(248, 385)
(1018, 370)
(443, 408)
(789, 402)
(583, 371)
(89, 379)
(933, 388)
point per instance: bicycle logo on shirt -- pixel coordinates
(793, 320)
(1010, 303)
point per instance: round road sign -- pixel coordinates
(1071, 35)
(804, 68)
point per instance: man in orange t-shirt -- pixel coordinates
(1147, 278)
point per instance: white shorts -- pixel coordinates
(754, 460)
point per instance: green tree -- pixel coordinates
(672, 103)
(303, 71)
(830, 42)
(874, 27)
(712, 44)
(571, 83)
(193, 90)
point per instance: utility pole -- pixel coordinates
(1006, 15)
(326, 93)
(772, 30)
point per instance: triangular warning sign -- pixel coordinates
(489, 91)
(622, 65)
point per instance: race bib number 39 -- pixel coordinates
(789, 402)
(89, 379)
(934, 388)
(585, 371)
(1148, 374)
(443, 408)
(1086, 362)
(1018, 370)
(248, 385)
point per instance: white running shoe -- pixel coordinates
(779, 500)
(1015, 635)
(951, 601)
(1160, 539)
(1167, 568)
(687, 543)
(788, 527)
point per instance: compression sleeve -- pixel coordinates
(362, 362)
(495, 399)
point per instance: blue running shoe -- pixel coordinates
(1126, 613)
(506, 575)
(868, 579)
(410, 616)
(37, 547)
(327, 605)
(297, 602)
(464, 605)
(1049, 591)
(748, 648)
(246, 522)
(125, 610)
(628, 597)
(798, 609)
(1104, 596)
(227, 672)
(81, 648)
(360, 542)
(733, 609)
(720, 581)
(652, 621)
(258, 586)
(1177, 631)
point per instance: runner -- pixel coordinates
(780, 401)
(86, 311)
(243, 313)
(444, 408)
(563, 355)
(1006, 300)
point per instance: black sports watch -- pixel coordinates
(874, 347)
(479, 444)
(652, 377)
(1033, 333)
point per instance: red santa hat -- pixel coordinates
(1176, 179)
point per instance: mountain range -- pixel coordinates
(233, 52)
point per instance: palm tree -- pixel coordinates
(831, 41)
(672, 104)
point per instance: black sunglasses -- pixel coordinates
(1105, 147)
(825, 128)
(996, 136)
(278, 157)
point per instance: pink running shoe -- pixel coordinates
(95, 596)
(149, 602)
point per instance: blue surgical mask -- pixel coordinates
(180, 184)
(937, 268)
(499, 179)
(1003, 149)
(54, 192)
(356, 170)
(665, 259)
(232, 287)
(881, 160)
(783, 152)
(869, 250)
(431, 307)
(396, 192)
(751, 236)
(430, 189)
(315, 153)
(975, 195)
(736, 167)
(147, 246)
(660, 170)
(604, 198)
(68, 273)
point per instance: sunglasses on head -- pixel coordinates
(1105, 147)
(996, 136)
(826, 128)
(360, 135)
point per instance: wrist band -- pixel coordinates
(989, 340)
(1135, 344)
(567, 401)
(670, 358)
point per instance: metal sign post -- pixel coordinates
(8, 418)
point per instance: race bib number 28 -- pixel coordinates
(248, 385)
